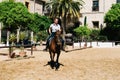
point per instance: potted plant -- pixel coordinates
(22, 53)
(12, 39)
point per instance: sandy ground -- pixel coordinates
(86, 64)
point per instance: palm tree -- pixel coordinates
(64, 8)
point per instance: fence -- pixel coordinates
(80, 44)
(10, 48)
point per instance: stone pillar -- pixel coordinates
(0, 31)
(31, 36)
(8, 35)
(18, 33)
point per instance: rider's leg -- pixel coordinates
(48, 40)
(47, 43)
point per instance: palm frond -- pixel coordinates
(60, 7)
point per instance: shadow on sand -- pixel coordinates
(3, 54)
(54, 65)
(77, 49)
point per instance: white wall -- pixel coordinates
(108, 4)
(93, 17)
(104, 6)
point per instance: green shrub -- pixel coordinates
(102, 38)
(94, 34)
(82, 32)
(42, 35)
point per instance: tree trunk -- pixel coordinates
(64, 26)
(18, 33)
(8, 34)
(31, 36)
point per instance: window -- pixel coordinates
(95, 24)
(95, 6)
(27, 4)
(118, 1)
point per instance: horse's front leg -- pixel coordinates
(58, 54)
(52, 60)
(57, 61)
(50, 55)
(53, 55)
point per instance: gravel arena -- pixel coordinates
(85, 64)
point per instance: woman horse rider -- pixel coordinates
(52, 29)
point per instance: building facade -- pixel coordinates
(94, 11)
(34, 6)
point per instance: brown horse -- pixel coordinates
(55, 47)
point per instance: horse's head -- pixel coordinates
(58, 33)
(58, 37)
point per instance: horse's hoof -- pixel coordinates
(56, 69)
(49, 62)
(52, 64)
(52, 67)
(57, 65)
